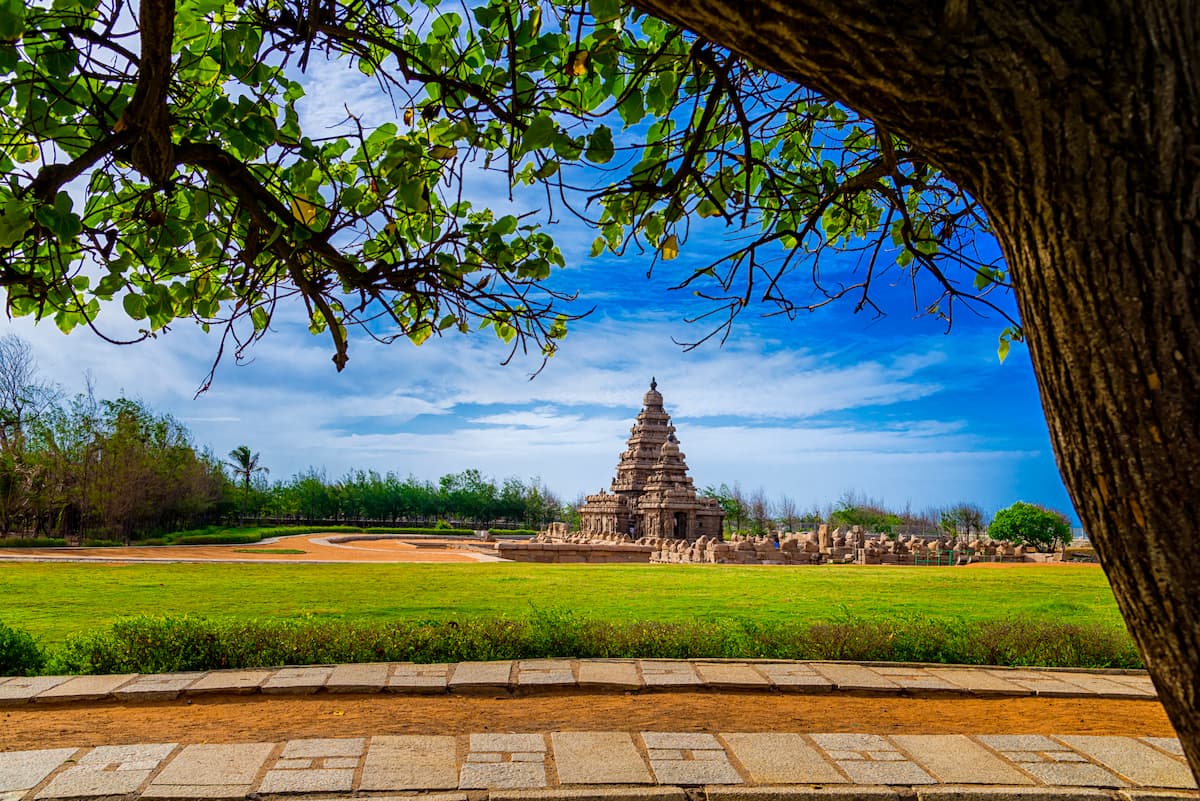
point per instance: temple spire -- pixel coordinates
(653, 383)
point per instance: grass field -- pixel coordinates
(53, 601)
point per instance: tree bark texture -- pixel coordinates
(1077, 126)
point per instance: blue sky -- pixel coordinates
(893, 408)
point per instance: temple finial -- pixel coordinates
(653, 383)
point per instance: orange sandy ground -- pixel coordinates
(277, 718)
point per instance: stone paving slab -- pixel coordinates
(855, 677)
(1051, 762)
(611, 674)
(669, 675)
(598, 757)
(108, 770)
(780, 758)
(590, 794)
(361, 678)
(731, 675)
(871, 759)
(545, 673)
(211, 771)
(410, 762)
(23, 689)
(419, 679)
(504, 761)
(795, 677)
(914, 678)
(801, 793)
(952, 793)
(1135, 761)
(21, 771)
(957, 759)
(688, 758)
(231, 681)
(156, 686)
(980, 682)
(319, 765)
(297, 680)
(480, 676)
(84, 688)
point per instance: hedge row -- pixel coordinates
(165, 644)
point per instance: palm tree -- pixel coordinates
(244, 464)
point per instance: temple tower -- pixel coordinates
(652, 494)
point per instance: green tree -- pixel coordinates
(1030, 524)
(245, 466)
(964, 519)
(893, 129)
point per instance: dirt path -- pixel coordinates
(273, 719)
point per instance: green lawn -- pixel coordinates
(53, 601)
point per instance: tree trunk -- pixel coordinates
(1076, 124)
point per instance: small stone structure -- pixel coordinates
(652, 494)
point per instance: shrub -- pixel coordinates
(158, 644)
(19, 653)
(1030, 524)
(32, 542)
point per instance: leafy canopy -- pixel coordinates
(153, 159)
(1030, 524)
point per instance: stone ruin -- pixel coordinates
(824, 546)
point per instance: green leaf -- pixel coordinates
(605, 10)
(600, 146)
(12, 20)
(539, 133)
(135, 306)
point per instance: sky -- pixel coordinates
(893, 409)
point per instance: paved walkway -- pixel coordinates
(608, 765)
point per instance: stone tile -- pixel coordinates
(611, 674)
(156, 686)
(680, 740)
(791, 677)
(661, 675)
(956, 759)
(504, 760)
(23, 689)
(1136, 761)
(688, 758)
(480, 676)
(418, 679)
(320, 748)
(507, 743)
(1047, 684)
(953, 793)
(1104, 687)
(211, 771)
(1156, 795)
(297, 680)
(1169, 744)
(315, 766)
(588, 794)
(801, 793)
(736, 675)
(410, 762)
(598, 757)
(230, 681)
(776, 758)
(545, 672)
(362, 678)
(855, 677)
(980, 682)
(1050, 762)
(108, 770)
(871, 759)
(21, 771)
(486, 775)
(919, 679)
(85, 688)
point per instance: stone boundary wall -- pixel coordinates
(571, 552)
(824, 546)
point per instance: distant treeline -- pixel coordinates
(90, 470)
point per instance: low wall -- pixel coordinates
(570, 552)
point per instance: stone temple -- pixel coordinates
(652, 495)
